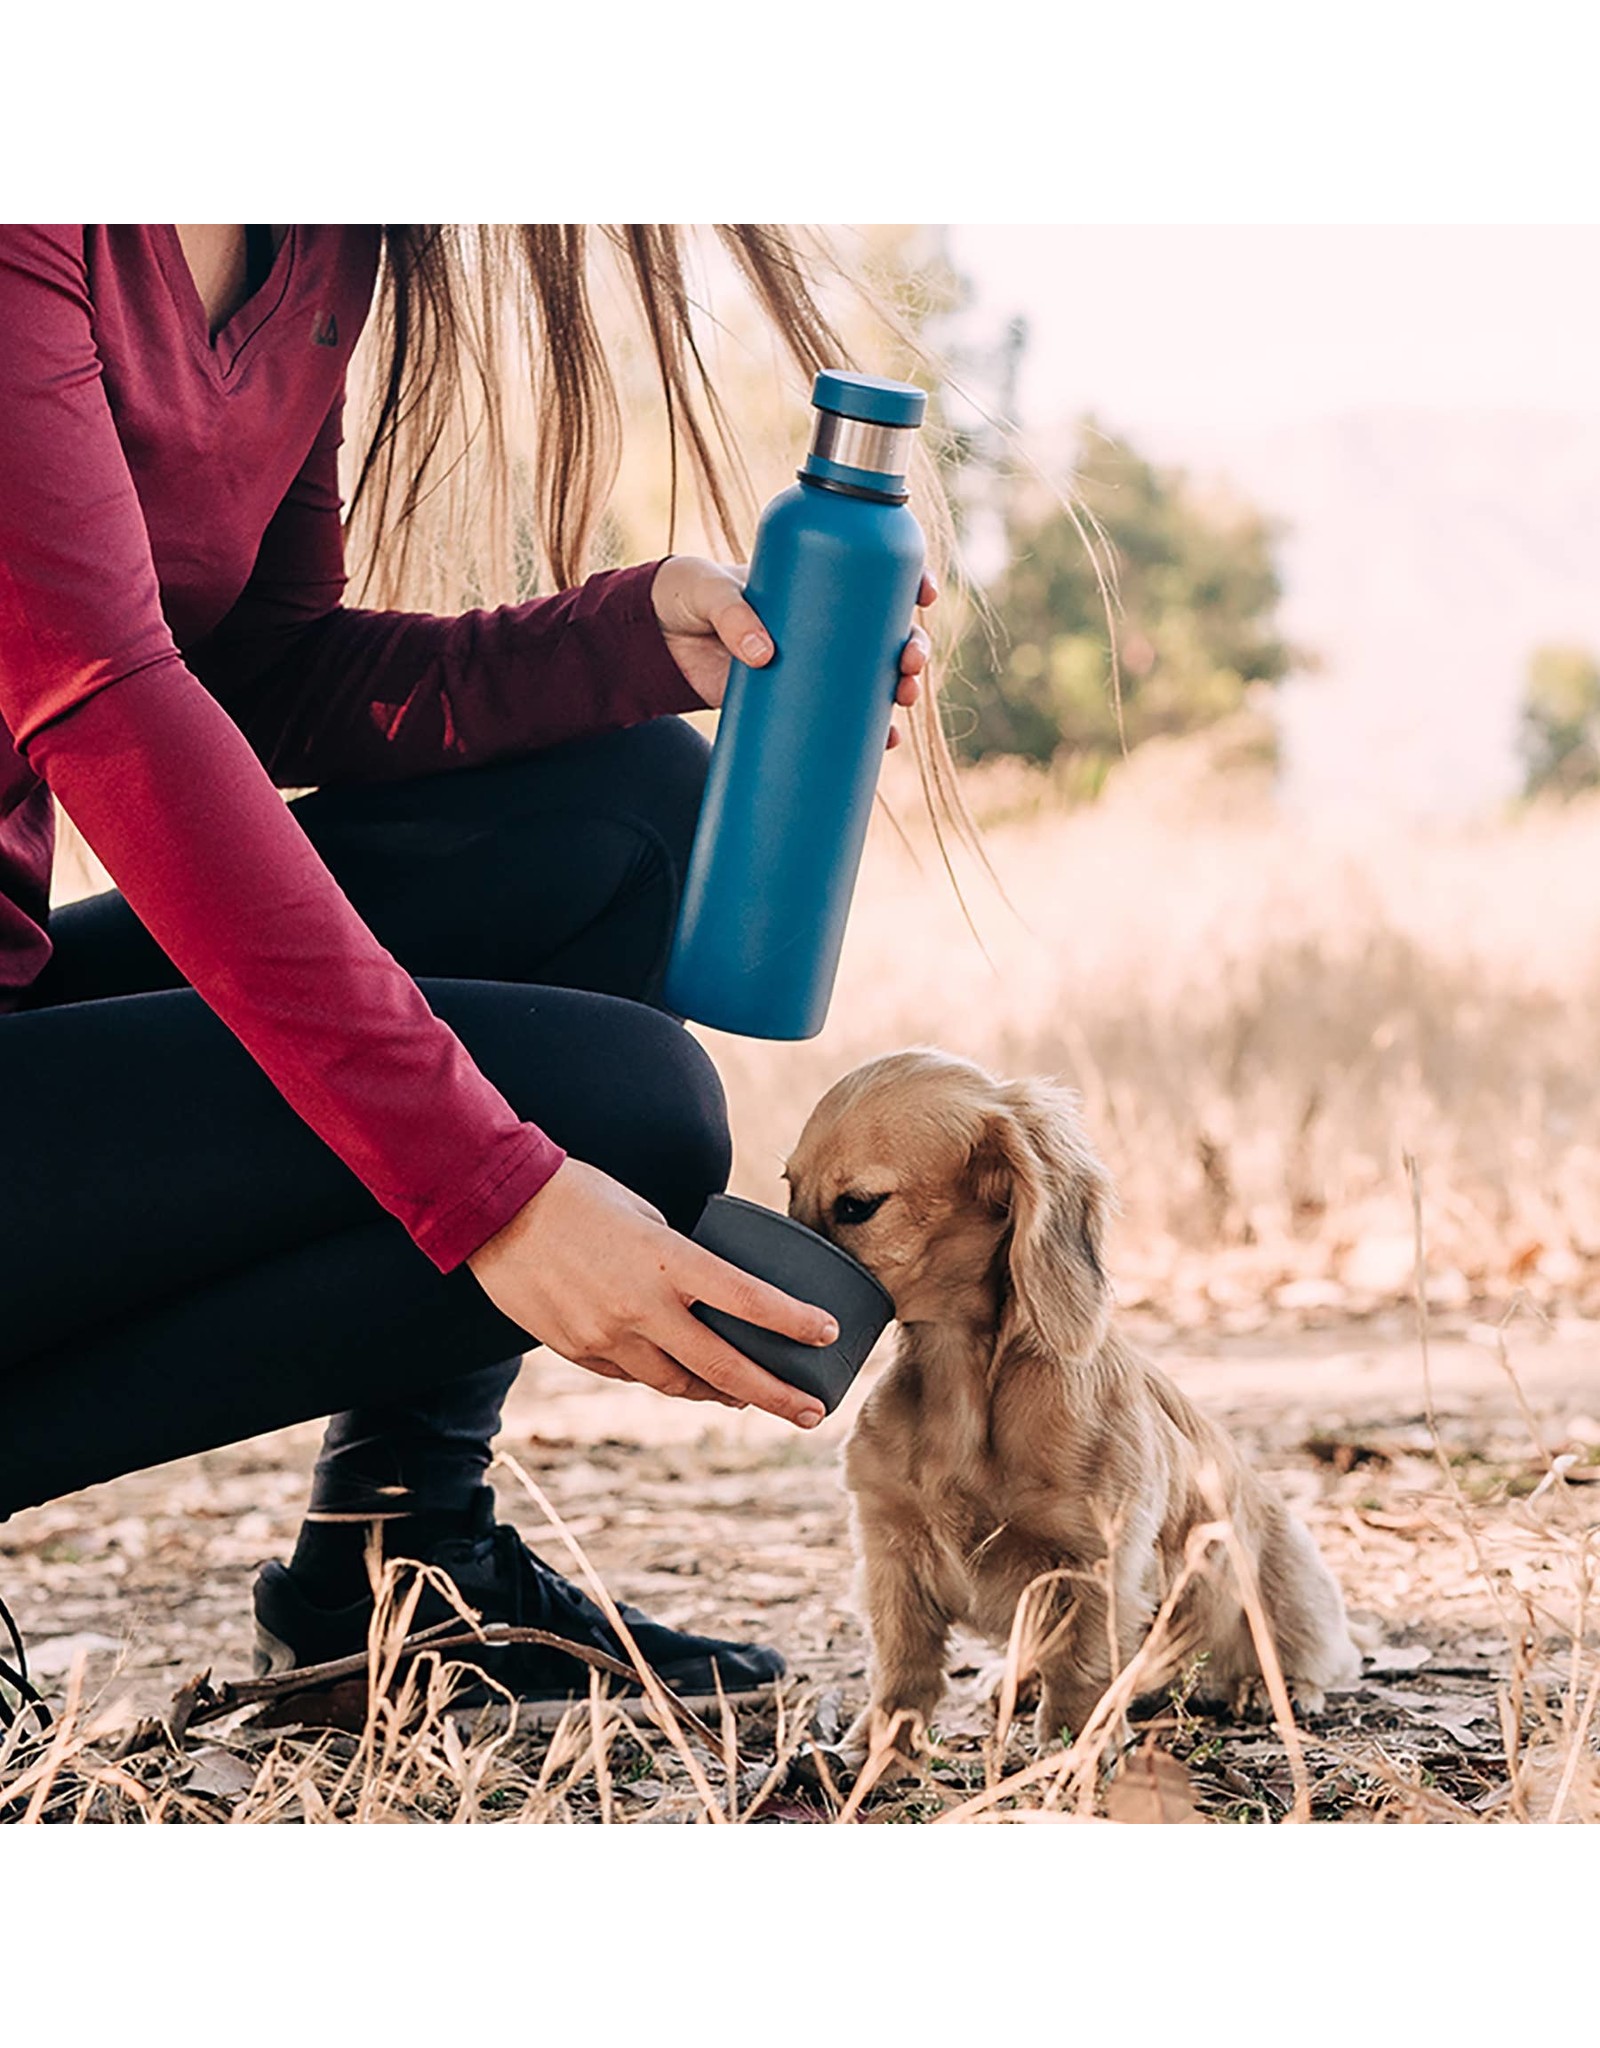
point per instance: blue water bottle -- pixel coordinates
(834, 577)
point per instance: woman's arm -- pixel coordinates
(173, 800)
(333, 694)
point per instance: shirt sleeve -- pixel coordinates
(333, 694)
(172, 798)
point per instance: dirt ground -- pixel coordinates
(734, 1523)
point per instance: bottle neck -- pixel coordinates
(866, 487)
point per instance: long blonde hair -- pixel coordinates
(495, 428)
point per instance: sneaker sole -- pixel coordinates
(536, 1716)
(274, 1658)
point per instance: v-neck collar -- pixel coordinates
(220, 354)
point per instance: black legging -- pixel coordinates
(184, 1263)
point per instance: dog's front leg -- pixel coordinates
(1074, 1674)
(908, 1617)
(1104, 1632)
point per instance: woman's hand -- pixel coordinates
(592, 1270)
(705, 620)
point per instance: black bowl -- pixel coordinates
(777, 1249)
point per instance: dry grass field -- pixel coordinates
(1304, 1052)
(1264, 1019)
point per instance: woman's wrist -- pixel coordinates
(509, 1237)
(489, 1210)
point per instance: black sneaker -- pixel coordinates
(19, 1699)
(504, 1581)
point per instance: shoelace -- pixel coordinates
(15, 1676)
(559, 1605)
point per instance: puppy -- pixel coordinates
(1016, 1441)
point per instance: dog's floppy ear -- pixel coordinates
(1034, 1161)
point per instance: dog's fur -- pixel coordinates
(1015, 1435)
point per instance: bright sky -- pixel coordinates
(1196, 331)
(1433, 541)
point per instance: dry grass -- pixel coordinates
(410, 1754)
(1263, 1020)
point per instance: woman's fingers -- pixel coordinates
(734, 622)
(913, 661)
(701, 1366)
(698, 599)
(701, 1276)
(742, 633)
(636, 1358)
(694, 595)
(739, 1378)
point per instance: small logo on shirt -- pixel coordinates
(325, 334)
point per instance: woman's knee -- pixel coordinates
(615, 1083)
(649, 777)
(676, 1145)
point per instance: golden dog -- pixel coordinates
(1016, 1440)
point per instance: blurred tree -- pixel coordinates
(1197, 586)
(1560, 739)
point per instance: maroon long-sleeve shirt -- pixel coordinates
(174, 643)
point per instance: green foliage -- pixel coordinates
(1560, 736)
(1197, 588)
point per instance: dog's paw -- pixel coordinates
(1249, 1700)
(892, 1746)
(825, 1771)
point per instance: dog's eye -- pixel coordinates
(850, 1209)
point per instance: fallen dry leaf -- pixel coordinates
(1152, 1787)
(221, 1773)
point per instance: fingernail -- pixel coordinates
(755, 646)
(808, 1418)
(830, 1332)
